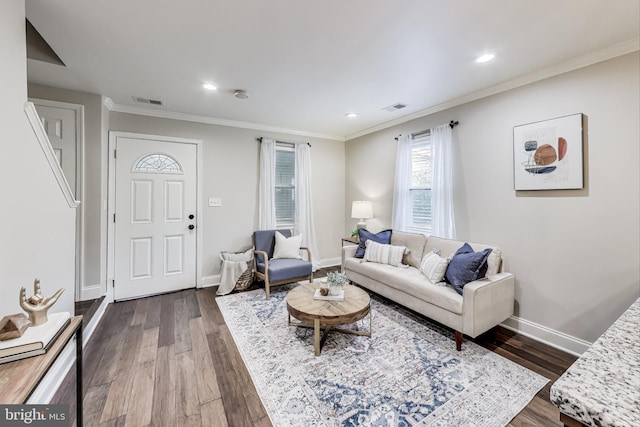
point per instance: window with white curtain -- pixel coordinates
(285, 186)
(420, 188)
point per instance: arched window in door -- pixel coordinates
(158, 163)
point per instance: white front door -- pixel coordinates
(155, 208)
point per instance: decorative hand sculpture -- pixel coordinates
(37, 306)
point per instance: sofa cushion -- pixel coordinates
(434, 267)
(466, 266)
(409, 280)
(448, 247)
(384, 254)
(383, 237)
(414, 242)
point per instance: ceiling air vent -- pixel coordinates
(395, 107)
(147, 101)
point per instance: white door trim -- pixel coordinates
(79, 195)
(113, 137)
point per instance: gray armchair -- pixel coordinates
(277, 271)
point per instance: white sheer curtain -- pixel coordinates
(442, 214)
(267, 205)
(401, 212)
(304, 206)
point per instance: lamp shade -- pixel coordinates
(362, 209)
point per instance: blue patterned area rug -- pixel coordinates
(407, 374)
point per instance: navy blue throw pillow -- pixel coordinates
(383, 237)
(466, 266)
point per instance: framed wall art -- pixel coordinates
(548, 155)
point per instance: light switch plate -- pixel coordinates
(215, 201)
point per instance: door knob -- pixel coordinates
(191, 216)
(191, 226)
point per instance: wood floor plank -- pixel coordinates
(252, 400)
(235, 406)
(153, 313)
(191, 300)
(187, 403)
(208, 309)
(110, 343)
(213, 414)
(537, 413)
(109, 362)
(118, 398)
(182, 335)
(206, 382)
(139, 414)
(164, 390)
(91, 413)
(140, 313)
(167, 336)
(118, 422)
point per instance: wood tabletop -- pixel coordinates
(303, 307)
(20, 378)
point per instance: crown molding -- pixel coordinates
(121, 108)
(602, 55)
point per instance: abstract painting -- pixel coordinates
(547, 155)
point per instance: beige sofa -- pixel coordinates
(484, 303)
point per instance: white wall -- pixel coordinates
(37, 225)
(575, 254)
(230, 165)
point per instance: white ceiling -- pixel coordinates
(306, 64)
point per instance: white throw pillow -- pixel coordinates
(434, 267)
(384, 254)
(287, 247)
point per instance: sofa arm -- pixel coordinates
(348, 252)
(487, 302)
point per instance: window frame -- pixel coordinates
(286, 222)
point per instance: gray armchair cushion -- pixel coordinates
(286, 268)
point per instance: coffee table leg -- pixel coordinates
(316, 336)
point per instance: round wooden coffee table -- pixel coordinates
(314, 313)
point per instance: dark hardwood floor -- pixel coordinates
(170, 360)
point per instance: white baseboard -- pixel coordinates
(208, 281)
(546, 335)
(330, 262)
(91, 292)
(93, 323)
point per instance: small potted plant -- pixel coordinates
(336, 281)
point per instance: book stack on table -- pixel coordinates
(36, 340)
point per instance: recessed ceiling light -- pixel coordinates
(485, 58)
(351, 115)
(209, 86)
